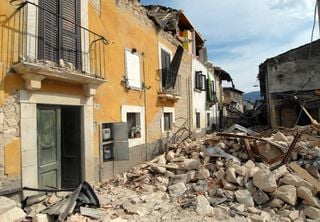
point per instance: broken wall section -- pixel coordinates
(10, 156)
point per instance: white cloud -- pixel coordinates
(241, 34)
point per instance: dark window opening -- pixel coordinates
(200, 81)
(165, 63)
(167, 121)
(208, 119)
(198, 120)
(134, 125)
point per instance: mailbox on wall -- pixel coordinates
(114, 141)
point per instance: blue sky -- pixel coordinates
(241, 34)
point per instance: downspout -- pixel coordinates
(145, 105)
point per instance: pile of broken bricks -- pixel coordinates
(220, 171)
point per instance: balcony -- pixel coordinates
(170, 85)
(46, 45)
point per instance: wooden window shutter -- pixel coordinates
(165, 63)
(175, 65)
(70, 33)
(60, 38)
(198, 79)
(133, 69)
(48, 30)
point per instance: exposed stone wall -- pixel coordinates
(154, 128)
(141, 13)
(9, 131)
(288, 116)
(136, 9)
(183, 106)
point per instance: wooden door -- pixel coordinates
(49, 149)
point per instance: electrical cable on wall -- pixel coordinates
(310, 50)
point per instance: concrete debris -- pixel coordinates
(14, 214)
(265, 180)
(236, 175)
(6, 204)
(260, 197)
(287, 193)
(134, 209)
(203, 206)
(312, 212)
(177, 189)
(305, 194)
(244, 197)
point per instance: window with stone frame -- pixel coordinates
(167, 120)
(134, 125)
(198, 120)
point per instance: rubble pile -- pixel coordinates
(259, 178)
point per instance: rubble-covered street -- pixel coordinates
(215, 180)
(237, 175)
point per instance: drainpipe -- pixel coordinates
(145, 104)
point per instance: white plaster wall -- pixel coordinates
(199, 97)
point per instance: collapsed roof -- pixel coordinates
(172, 20)
(223, 75)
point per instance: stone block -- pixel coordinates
(6, 204)
(287, 193)
(15, 214)
(177, 189)
(265, 180)
(244, 197)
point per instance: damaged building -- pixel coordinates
(289, 81)
(90, 89)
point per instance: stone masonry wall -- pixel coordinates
(9, 131)
(182, 108)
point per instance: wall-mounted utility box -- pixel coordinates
(114, 141)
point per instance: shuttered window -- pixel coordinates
(200, 81)
(133, 69)
(167, 119)
(165, 63)
(59, 36)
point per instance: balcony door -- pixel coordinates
(59, 36)
(165, 63)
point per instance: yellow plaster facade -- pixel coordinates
(125, 29)
(12, 156)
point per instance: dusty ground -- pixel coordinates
(124, 204)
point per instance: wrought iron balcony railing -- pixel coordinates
(37, 35)
(171, 82)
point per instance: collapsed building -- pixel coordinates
(290, 80)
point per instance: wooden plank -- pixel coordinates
(165, 166)
(291, 149)
(232, 135)
(273, 143)
(248, 148)
(305, 175)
